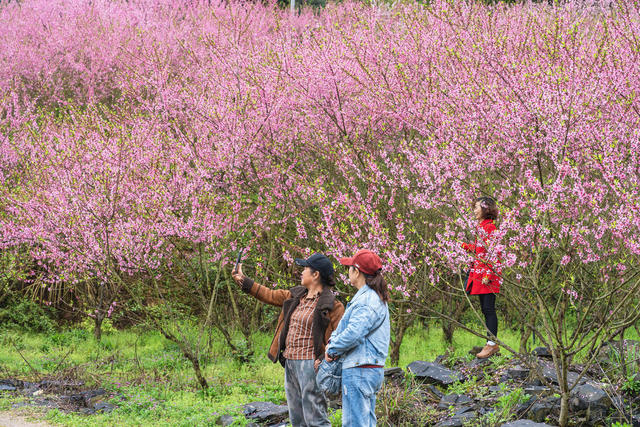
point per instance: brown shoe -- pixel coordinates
(488, 351)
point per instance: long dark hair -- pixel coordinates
(378, 284)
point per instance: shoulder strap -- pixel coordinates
(379, 324)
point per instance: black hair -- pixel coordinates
(326, 281)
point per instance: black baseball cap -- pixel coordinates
(318, 262)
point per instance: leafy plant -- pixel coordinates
(403, 404)
(26, 315)
(505, 405)
(631, 385)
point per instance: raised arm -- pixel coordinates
(264, 294)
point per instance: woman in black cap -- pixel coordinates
(310, 313)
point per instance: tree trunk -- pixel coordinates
(564, 409)
(97, 328)
(525, 333)
(564, 390)
(447, 331)
(188, 354)
(196, 368)
(401, 327)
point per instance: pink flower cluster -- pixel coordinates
(129, 129)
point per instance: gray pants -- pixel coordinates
(307, 404)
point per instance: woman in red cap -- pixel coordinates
(310, 313)
(484, 280)
(362, 339)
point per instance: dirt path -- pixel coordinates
(9, 419)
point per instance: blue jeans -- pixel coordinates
(359, 388)
(307, 405)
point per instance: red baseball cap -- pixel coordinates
(365, 261)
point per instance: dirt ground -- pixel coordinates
(10, 419)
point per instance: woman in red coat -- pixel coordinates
(484, 280)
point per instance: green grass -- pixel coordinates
(152, 384)
(427, 343)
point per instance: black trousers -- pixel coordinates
(488, 306)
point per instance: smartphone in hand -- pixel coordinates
(238, 259)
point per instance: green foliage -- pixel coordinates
(628, 358)
(335, 418)
(107, 327)
(402, 404)
(462, 387)
(631, 385)
(498, 360)
(504, 407)
(27, 316)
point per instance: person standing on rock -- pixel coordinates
(362, 339)
(484, 280)
(310, 313)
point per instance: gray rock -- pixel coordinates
(518, 373)
(104, 407)
(588, 396)
(462, 410)
(45, 402)
(440, 359)
(91, 397)
(393, 374)
(549, 373)
(434, 390)
(536, 390)
(484, 411)
(433, 373)
(454, 400)
(265, 412)
(478, 362)
(29, 388)
(542, 352)
(540, 410)
(225, 420)
(9, 385)
(458, 420)
(19, 405)
(525, 423)
(85, 399)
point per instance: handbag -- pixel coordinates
(329, 375)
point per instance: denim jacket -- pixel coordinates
(363, 313)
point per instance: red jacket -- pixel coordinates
(480, 268)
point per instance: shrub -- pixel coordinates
(26, 315)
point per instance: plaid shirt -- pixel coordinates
(299, 343)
